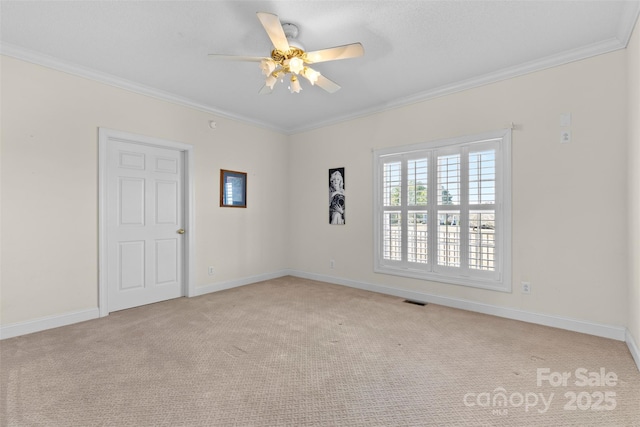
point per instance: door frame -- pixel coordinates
(105, 136)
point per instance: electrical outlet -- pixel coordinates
(332, 264)
(211, 271)
(526, 287)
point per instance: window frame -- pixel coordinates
(500, 279)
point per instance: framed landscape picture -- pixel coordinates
(233, 189)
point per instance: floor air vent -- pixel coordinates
(408, 301)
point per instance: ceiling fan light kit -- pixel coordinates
(290, 58)
(295, 85)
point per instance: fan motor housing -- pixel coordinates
(279, 56)
(290, 30)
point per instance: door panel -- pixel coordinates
(144, 213)
(167, 202)
(166, 261)
(166, 165)
(131, 160)
(131, 201)
(131, 258)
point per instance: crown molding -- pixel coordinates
(552, 61)
(629, 20)
(37, 58)
(563, 58)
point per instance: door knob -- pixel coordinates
(181, 231)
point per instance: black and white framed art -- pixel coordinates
(336, 196)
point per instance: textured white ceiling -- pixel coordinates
(413, 49)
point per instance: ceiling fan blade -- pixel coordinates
(328, 85)
(352, 50)
(273, 27)
(236, 57)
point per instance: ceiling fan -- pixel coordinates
(289, 58)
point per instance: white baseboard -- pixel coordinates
(591, 328)
(215, 287)
(633, 348)
(607, 331)
(42, 324)
(55, 321)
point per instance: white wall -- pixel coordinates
(569, 213)
(49, 182)
(569, 200)
(633, 50)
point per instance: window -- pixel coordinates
(443, 211)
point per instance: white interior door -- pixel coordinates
(145, 221)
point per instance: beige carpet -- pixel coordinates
(293, 352)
